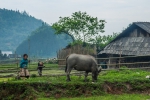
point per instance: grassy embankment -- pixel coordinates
(131, 83)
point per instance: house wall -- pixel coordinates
(129, 62)
(138, 33)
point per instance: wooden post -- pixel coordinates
(29, 49)
(16, 60)
(109, 62)
(119, 62)
(120, 55)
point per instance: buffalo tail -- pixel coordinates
(66, 64)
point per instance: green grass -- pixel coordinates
(114, 76)
(109, 76)
(30, 66)
(124, 75)
(106, 97)
(44, 72)
(5, 79)
(46, 87)
(13, 69)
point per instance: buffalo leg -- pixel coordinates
(94, 77)
(93, 80)
(68, 74)
(86, 74)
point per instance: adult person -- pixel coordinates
(103, 64)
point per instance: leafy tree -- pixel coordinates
(102, 41)
(80, 26)
(1, 55)
(5, 56)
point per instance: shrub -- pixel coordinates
(33, 75)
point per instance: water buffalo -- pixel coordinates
(80, 62)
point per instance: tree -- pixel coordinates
(1, 55)
(5, 56)
(102, 41)
(80, 26)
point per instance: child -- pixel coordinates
(40, 67)
(23, 67)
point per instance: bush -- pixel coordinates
(33, 75)
(123, 67)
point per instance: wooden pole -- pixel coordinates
(109, 62)
(17, 64)
(29, 49)
(120, 56)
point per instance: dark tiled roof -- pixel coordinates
(143, 25)
(129, 46)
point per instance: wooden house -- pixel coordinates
(14, 56)
(6, 52)
(133, 41)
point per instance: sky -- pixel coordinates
(117, 13)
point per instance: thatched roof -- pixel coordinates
(126, 45)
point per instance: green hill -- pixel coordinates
(43, 43)
(15, 27)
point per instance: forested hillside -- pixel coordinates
(15, 27)
(43, 42)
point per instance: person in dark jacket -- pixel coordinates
(103, 64)
(23, 67)
(39, 63)
(40, 67)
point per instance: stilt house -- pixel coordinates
(133, 45)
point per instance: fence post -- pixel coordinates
(120, 57)
(109, 63)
